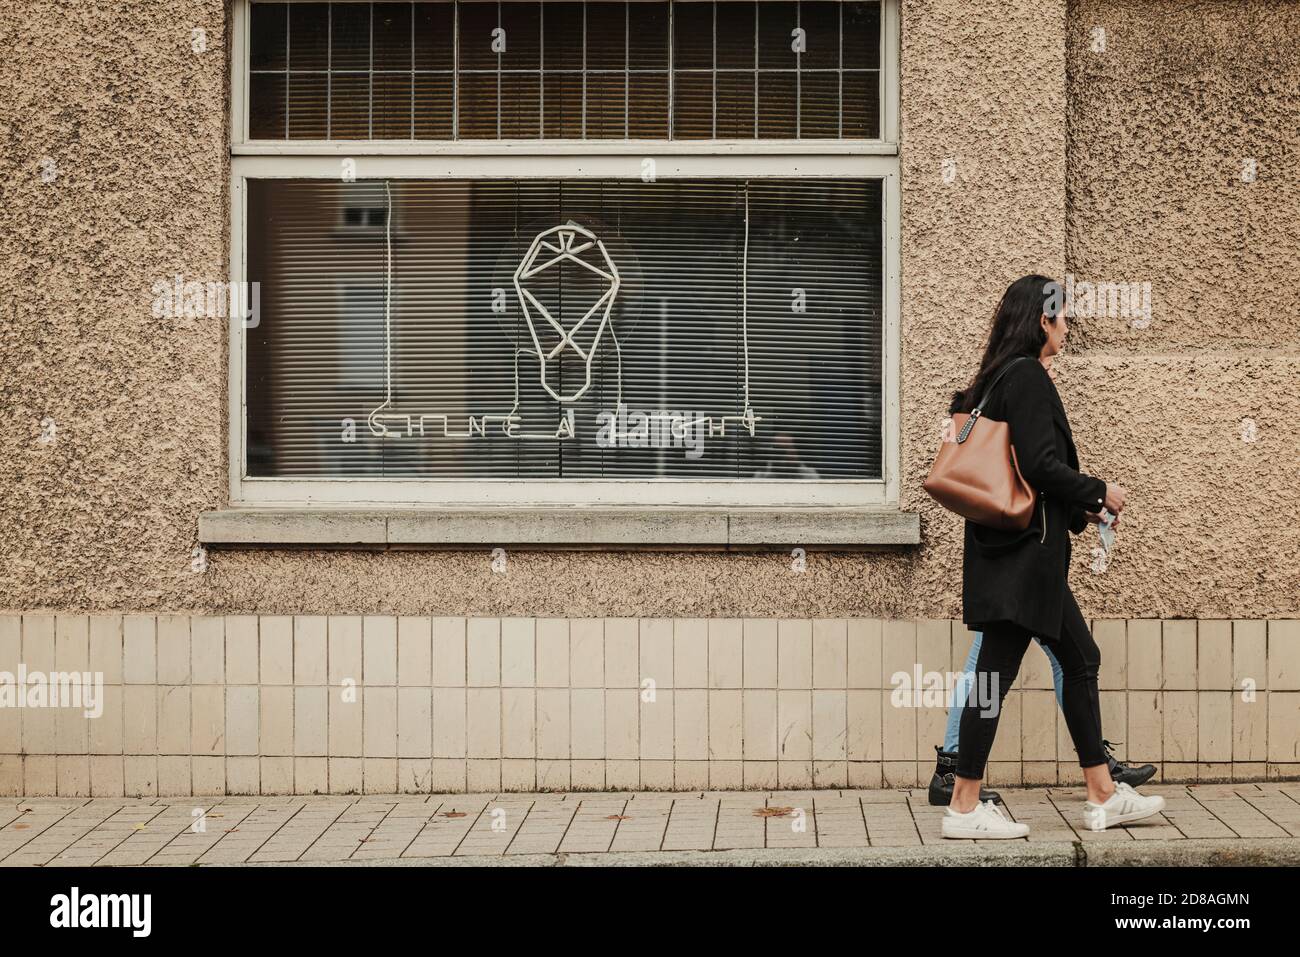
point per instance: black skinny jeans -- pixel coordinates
(1002, 649)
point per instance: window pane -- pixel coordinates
(308, 98)
(736, 105)
(819, 95)
(821, 25)
(349, 36)
(862, 36)
(776, 26)
(647, 30)
(562, 25)
(433, 106)
(679, 334)
(478, 105)
(606, 106)
(692, 106)
(434, 36)
(736, 29)
(777, 102)
(648, 106)
(861, 104)
(477, 22)
(268, 35)
(309, 36)
(349, 106)
(266, 106)
(562, 102)
(693, 36)
(392, 107)
(606, 36)
(522, 23)
(521, 105)
(393, 36)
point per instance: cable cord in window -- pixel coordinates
(378, 428)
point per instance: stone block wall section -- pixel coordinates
(378, 704)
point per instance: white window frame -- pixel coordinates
(569, 159)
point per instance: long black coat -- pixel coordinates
(1021, 576)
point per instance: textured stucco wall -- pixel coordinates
(105, 517)
(1163, 122)
(135, 122)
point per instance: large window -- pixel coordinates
(580, 253)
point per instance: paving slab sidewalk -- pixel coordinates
(1201, 825)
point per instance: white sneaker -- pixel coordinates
(1123, 806)
(988, 822)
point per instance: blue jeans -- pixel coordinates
(950, 733)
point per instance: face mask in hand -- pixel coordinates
(1106, 530)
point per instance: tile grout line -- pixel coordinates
(862, 812)
(254, 851)
(252, 808)
(90, 829)
(129, 835)
(577, 808)
(1216, 817)
(415, 837)
(56, 821)
(380, 823)
(343, 810)
(519, 830)
(470, 830)
(622, 812)
(911, 813)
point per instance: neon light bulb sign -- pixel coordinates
(549, 250)
(553, 339)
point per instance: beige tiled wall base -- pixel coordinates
(304, 704)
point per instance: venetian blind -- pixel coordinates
(733, 296)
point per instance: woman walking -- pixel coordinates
(941, 782)
(1014, 583)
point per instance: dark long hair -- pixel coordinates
(1016, 332)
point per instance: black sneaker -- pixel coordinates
(944, 776)
(1133, 777)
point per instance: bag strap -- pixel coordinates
(988, 391)
(996, 379)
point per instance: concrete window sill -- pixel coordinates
(610, 527)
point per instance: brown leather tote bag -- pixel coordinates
(975, 473)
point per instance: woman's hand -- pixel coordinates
(1115, 496)
(1095, 519)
